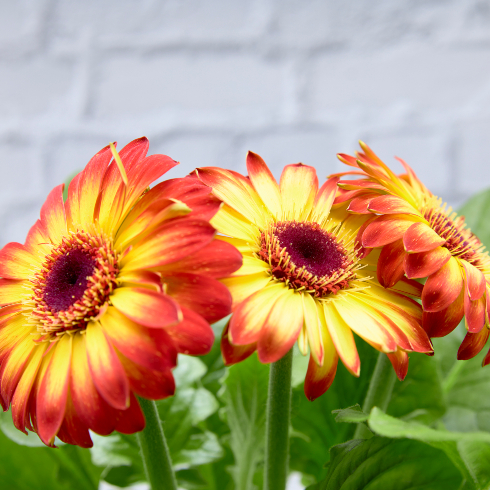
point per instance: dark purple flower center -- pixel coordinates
(67, 279)
(311, 247)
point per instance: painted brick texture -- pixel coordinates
(207, 81)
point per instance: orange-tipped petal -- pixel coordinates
(392, 205)
(299, 187)
(233, 354)
(16, 262)
(424, 264)
(313, 328)
(360, 205)
(250, 315)
(106, 369)
(343, 339)
(193, 335)
(399, 361)
(443, 322)
(170, 242)
(384, 230)
(51, 399)
(217, 259)
(94, 412)
(132, 419)
(11, 290)
(281, 328)
(443, 287)
(264, 182)
(147, 307)
(475, 280)
(486, 360)
(390, 264)
(187, 289)
(474, 312)
(137, 342)
(319, 378)
(421, 238)
(235, 191)
(324, 200)
(53, 215)
(148, 383)
(472, 344)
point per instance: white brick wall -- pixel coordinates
(294, 80)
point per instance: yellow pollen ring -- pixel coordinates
(119, 163)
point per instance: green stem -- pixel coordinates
(154, 450)
(379, 391)
(277, 424)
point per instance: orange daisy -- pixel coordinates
(302, 277)
(421, 237)
(105, 292)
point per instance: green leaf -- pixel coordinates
(389, 464)
(32, 468)
(468, 450)
(352, 414)
(244, 395)
(314, 424)
(8, 428)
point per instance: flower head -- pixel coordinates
(421, 237)
(105, 292)
(302, 277)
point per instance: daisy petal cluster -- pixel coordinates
(417, 236)
(305, 278)
(105, 292)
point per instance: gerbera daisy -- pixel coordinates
(102, 296)
(302, 277)
(421, 237)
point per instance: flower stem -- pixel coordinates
(379, 391)
(277, 424)
(154, 450)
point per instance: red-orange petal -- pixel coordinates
(384, 230)
(281, 328)
(443, 322)
(53, 392)
(443, 287)
(147, 307)
(319, 378)
(474, 312)
(324, 200)
(170, 242)
(148, 383)
(94, 411)
(53, 215)
(472, 344)
(205, 295)
(217, 259)
(137, 342)
(424, 264)
(421, 238)
(360, 204)
(73, 430)
(399, 361)
(475, 280)
(193, 335)
(106, 369)
(390, 268)
(132, 419)
(391, 205)
(233, 354)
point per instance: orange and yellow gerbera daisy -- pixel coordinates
(105, 292)
(302, 278)
(421, 237)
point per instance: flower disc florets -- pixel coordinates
(307, 257)
(460, 241)
(74, 284)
